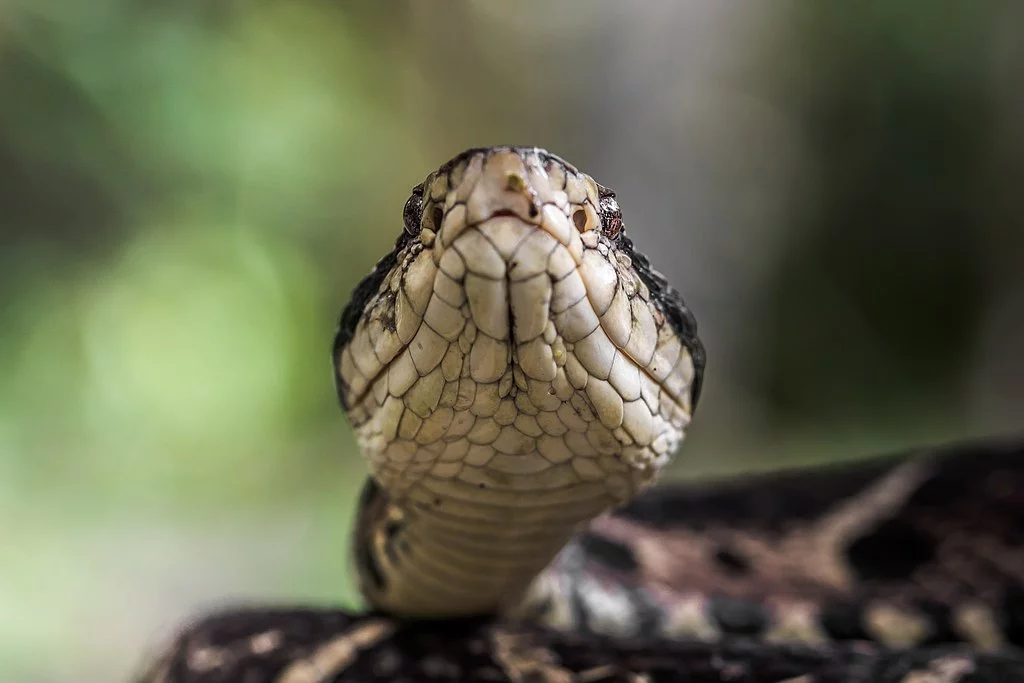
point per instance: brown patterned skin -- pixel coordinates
(911, 550)
(306, 645)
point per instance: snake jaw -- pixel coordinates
(514, 372)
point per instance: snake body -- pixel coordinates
(913, 550)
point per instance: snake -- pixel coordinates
(512, 369)
(518, 376)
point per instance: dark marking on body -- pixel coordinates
(371, 498)
(731, 561)
(392, 529)
(940, 619)
(1013, 615)
(738, 617)
(650, 617)
(591, 597)
(891, 551)
(844, 621)
(372, 569)
(605, 551)
(770, 502)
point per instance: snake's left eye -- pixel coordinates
(413, 211)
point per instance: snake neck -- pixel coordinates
(425, 561)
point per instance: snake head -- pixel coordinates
(515, 328)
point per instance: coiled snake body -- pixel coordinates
(517, 374)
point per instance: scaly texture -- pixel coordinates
(910, 550)
(512, 369)
(301, 645)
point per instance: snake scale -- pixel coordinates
(517, 375)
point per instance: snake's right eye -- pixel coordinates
(413, 211)
(611, 215)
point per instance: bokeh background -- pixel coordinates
(190, 189)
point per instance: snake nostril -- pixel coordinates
(437, 215)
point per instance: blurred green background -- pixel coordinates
(189, 191)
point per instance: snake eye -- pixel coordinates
(611, 216)
(413, 211)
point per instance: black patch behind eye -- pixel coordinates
(890, 551)
(353, 311)
(611, 554)
(732, 561)
(672, 306)
(667, 298)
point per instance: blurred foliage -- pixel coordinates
(190, 190)
(899, 124)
